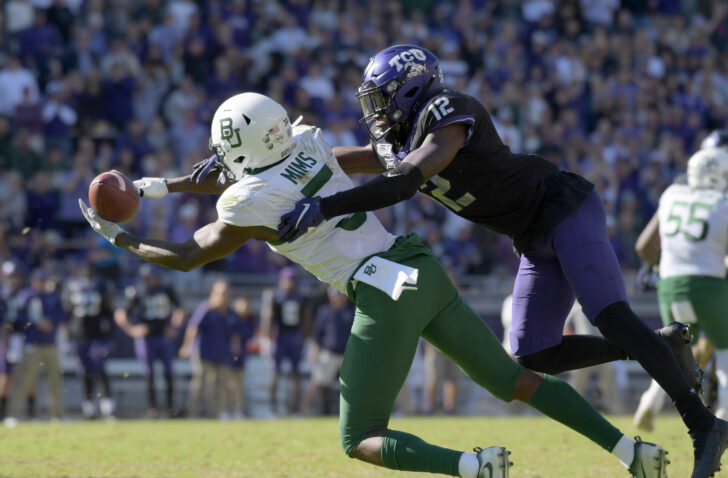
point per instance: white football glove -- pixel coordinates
(106, 228)
(153, 188)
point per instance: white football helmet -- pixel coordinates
(708, 169)
(717, 138)
(249, 131)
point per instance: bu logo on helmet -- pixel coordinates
(406, 57)
(226, 132)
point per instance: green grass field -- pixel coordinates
(302, 448)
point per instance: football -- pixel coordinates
(114, 196)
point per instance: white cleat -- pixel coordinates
(644, 419)
(88, 409)
(493, 462)
(650, 460)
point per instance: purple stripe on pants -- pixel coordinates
(575, 258)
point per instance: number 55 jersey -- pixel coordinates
(693, 232)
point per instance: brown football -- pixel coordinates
(114, 196)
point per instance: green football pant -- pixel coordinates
(700, 301)
(382, 346)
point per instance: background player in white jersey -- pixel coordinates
(400, 290)
(693, 234)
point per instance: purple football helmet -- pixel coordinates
(717, 138)
(396, 82)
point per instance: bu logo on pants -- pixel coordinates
(370, 269)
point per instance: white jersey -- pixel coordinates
(693, 232)
(333, 250)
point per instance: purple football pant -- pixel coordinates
(289, 345)
(154, 348)
(92, 355)
(574, 258)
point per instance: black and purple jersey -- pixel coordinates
(287, 311)
(154, 307)
(91, 309)
(486, 183)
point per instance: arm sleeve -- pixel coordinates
(198, 315)
(380, 192)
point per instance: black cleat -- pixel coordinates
(708, 447)
(677, 337)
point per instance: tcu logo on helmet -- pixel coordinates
(406, 57)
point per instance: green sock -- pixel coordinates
(556, 399)
(405, 452)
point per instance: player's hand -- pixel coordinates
(266, 346)
(184, 352)
(646, 278)
(154, 188)
(294, 224)
(203, 168)
(138, 331)
(106, 228)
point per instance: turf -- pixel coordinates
(302, 448)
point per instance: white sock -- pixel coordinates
(468, 465)
(721, 370)
(624, 451)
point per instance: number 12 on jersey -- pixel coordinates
(442, 186)
(439, 108)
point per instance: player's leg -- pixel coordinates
(542, 299)
(145, 354)
(461, 334)
(54, 377)
(194, 395)
(707, 300)
(653, 399)
(166, 356)
(26, 375)
(101, 350)
(294, 356)
(278, 363)
(86, 372)
(378, 357)
(590, 265)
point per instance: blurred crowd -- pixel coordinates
(620, 91)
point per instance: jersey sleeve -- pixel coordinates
(446, 109)
(244, 205)
(198, 315)
(311, 139)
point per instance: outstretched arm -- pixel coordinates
(209, 243)
(436, 153)
(156, 188)
(201, 181)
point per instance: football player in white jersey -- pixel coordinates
(400, 290)
(692, 220)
